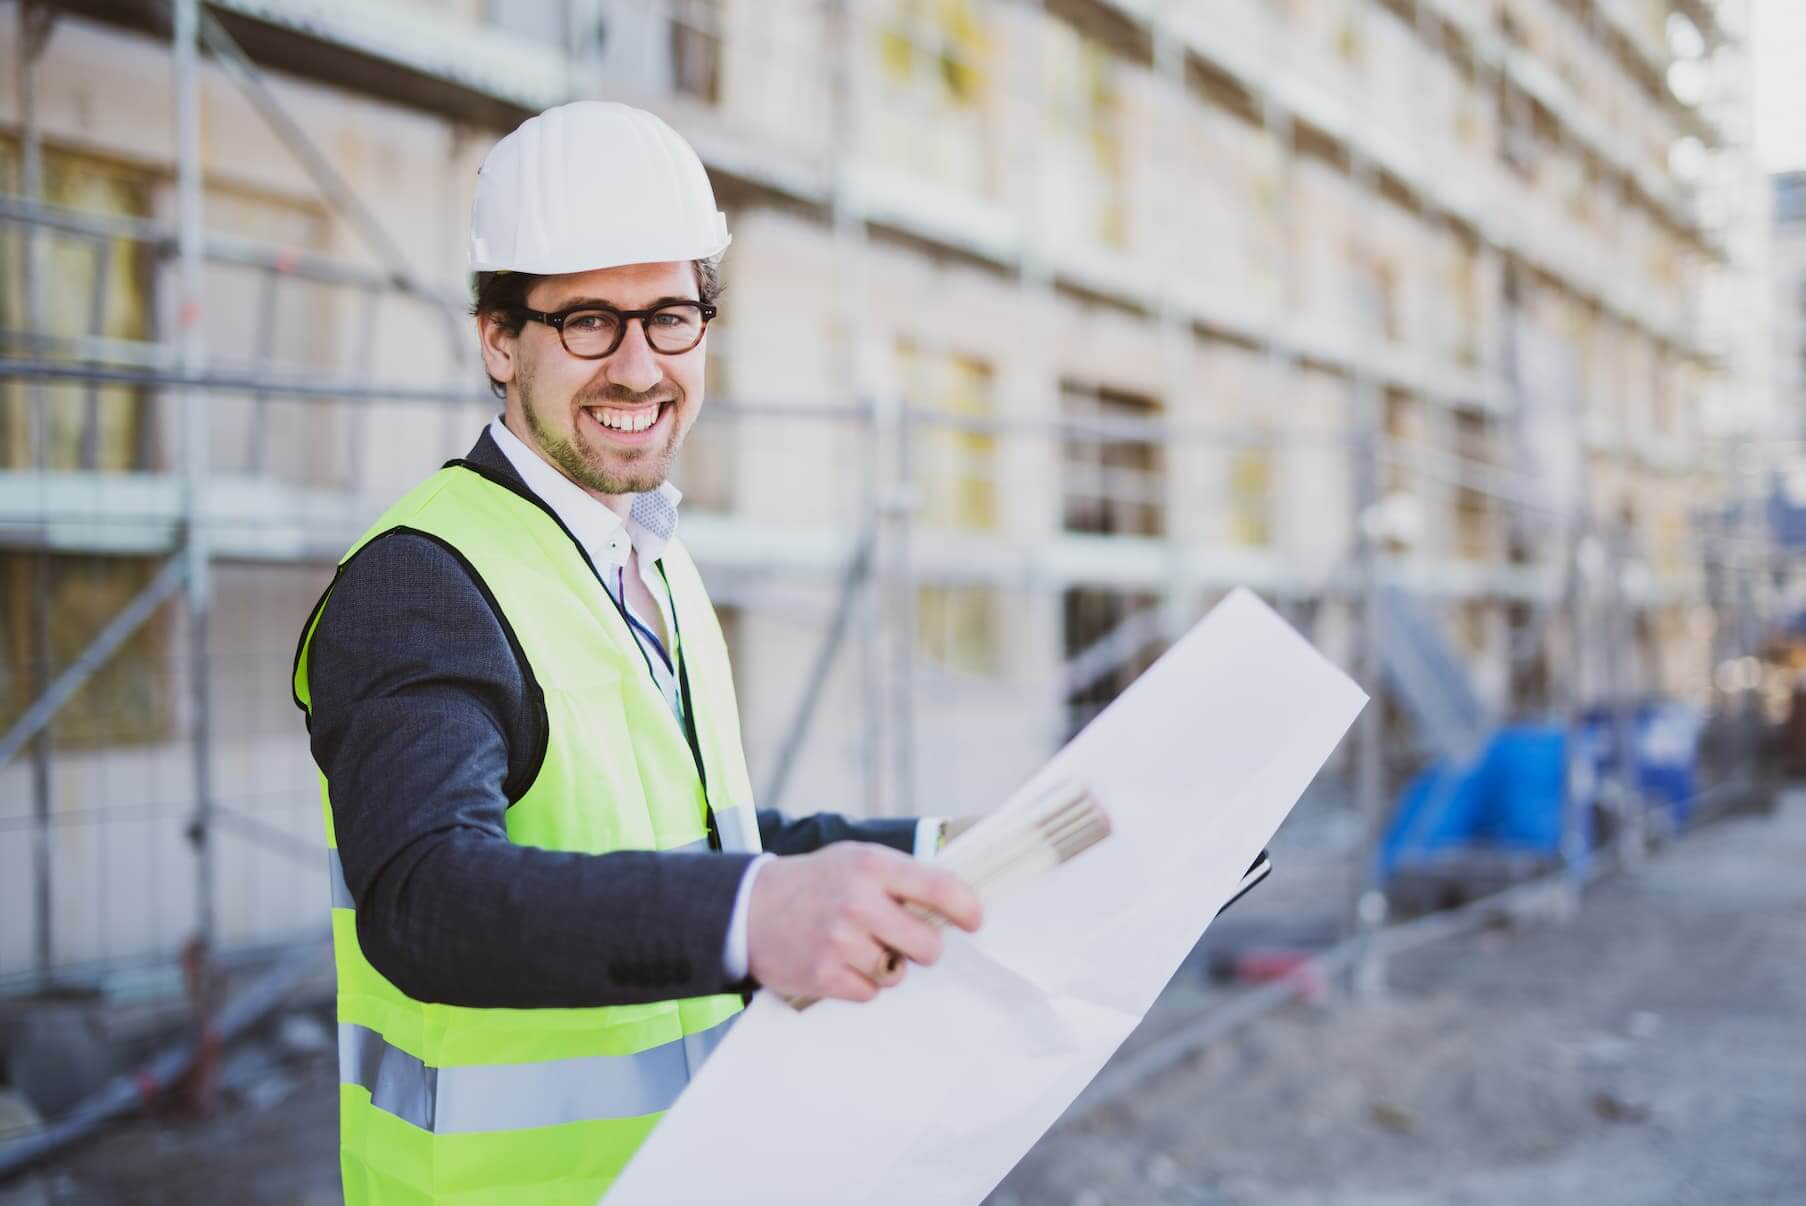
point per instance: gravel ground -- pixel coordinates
(1650, 1051)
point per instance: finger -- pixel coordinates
(852, 948)
(877, 963)
(905, 934)
(850, 985)
(937, 890)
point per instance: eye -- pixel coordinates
(589, 320)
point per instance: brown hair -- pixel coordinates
(503, 295)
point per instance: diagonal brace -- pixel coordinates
(859, 568)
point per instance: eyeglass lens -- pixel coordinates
(669, 329)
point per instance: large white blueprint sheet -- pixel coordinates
(933, 1092)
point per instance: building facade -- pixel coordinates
(1046, 322)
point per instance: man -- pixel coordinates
(548, 888)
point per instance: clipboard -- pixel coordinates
(1257, 871)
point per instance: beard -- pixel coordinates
(601, 469)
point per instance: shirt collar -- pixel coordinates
(651, 518)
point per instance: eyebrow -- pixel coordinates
(603, 301)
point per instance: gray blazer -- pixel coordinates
(422, 725)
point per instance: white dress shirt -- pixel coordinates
(610, 541)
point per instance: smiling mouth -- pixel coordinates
(627, 420)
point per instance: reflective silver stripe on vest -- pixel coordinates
(341, 892)
(507, 1097)
(739, 829)
(335, 871)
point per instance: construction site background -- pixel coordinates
(1459, 331)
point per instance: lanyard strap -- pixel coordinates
(634, 623)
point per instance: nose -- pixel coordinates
(634, 364)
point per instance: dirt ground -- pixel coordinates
(1652, 1050)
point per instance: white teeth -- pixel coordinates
(624, 420)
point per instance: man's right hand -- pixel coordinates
(824, 924)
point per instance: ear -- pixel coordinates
(499, 347)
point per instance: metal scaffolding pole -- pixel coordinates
(1175, 333)
(1620, 634)
(849, 257)
(1572, 701)
(34, 31)
(1367, 902)
(903, 620)
(194, 405)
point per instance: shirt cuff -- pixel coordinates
(734, 958)
(928, 836)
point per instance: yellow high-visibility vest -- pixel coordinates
(445, 1104)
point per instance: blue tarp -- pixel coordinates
(1510, 797)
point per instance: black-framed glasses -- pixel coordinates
(591, 332)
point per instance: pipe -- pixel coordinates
(130, 1090)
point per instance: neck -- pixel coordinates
(620, 504)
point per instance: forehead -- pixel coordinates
(630, 287)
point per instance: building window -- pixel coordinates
(1519, 138)
(1402, 427)
(1473, 517)
(1109, 638)
(934, 61)
(1251, 495)
(935, 49)
(957, 627)
(1088, 195)
(1464, 286)
(953, 451)
(1350, 45)
(1115, 469)
(92, 290)
(696, 49)
(128, 701)
(1375, 292)
(1473, 632)
(650, 49)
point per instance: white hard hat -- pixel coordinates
(592, 184)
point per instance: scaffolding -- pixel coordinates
(923, 550)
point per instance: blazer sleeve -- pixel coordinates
(419, 711)
(780, 834)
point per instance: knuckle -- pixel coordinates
(849, 906)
